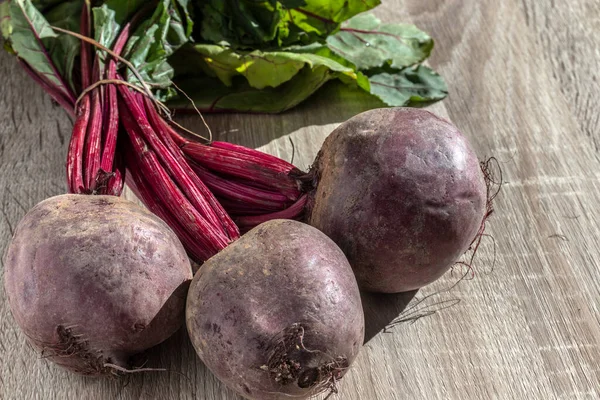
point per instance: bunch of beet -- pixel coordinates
(394, 198)
(397, 196)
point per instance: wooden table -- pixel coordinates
(524, 84)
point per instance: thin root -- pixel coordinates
(107, 82)
(210, 134)
(492, 174)
(414, 312)
(133, 371)
(285, 370)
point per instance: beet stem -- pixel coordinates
(54, 92)
(221, 218)
(176, 166)
(111, 124)
(76, 145)
(86, 50)
(293, 212)
(143, 191)
(167, 191)
(248, 196)
(239, 165)
(93, 144)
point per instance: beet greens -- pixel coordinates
(111, 65)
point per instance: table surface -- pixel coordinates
(524, 83)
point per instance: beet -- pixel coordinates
(402, 193)
(277, 313)
(92, 280)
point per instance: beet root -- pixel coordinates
(92, 280)
(401, 191)
(277, 313)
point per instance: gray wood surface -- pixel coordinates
(524, 87)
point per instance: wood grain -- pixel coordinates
(524, 83)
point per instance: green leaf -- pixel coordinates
(356, 79)
(110, 18)
(168, 26)
(368, 43)
(31, 37)
(163, 33)
(261, 68)
(44, 5)
(241, 22)
(409, 86)
(292, 3)
(65, 49)
(157, 38)
(5, 25)
(209, 94)
(270, 23)
(323, 17)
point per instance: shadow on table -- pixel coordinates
(382, 309)
(333, 103)
(184, 370)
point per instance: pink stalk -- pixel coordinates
(143, 190)
(166, 191)
(114, 183)
(277, 164)
(86, 50)
(242, 166)
(173, 161)
(247, 182)
(196, 189)
(293, 212)
(114, 186)
(247, 196)
(76, 145)
(93, 146)
(263, 170)
(76, 176)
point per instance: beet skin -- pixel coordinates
(401, 191)
(277, 314)
(92, 280)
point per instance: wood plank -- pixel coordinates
(523, 79)
(511, 102)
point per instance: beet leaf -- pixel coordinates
(31, 38)
(368, 43)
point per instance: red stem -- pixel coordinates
(273, 162)
(93, 147)
(173, 161)
(56, 94)
(245, 196)
(221, 218)
(246, 181)
(239, 165)
(111, 129)
(86, 50)
(293, 212)
(75, 154)
(114, 185)
(143, 190)
(167, 192)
